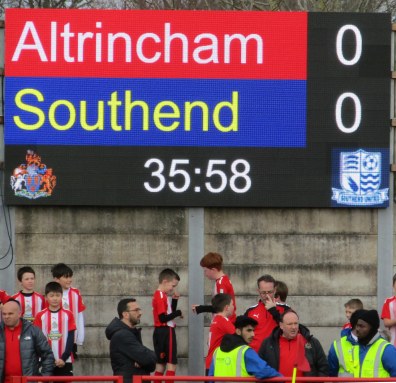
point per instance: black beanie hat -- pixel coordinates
(371, 317)
(355, 317)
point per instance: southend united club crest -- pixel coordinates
(360, 179)
(33, 179)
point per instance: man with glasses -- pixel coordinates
(266, 312)
(128, 355)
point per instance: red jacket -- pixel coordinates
(267, 321)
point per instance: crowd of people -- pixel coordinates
(40, 334)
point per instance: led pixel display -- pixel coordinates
(197, 108)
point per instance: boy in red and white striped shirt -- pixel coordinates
(71, 300)
(31, 302)
(58, 326)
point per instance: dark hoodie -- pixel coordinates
(269, 351)
(254, 365)
(231, 341)
(127, 350)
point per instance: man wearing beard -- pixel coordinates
(127, 354)
(376, 356)
(340, 355)
(234, 357)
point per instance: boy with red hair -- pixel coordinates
(212, 265)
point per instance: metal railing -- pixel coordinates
(26, 379)
(186, 378)
(283, 379)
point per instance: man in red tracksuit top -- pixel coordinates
(266, 312)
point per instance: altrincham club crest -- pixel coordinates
(33, 179)
(360, 179)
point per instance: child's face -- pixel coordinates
(210, 273)
(54, 300)
(230, 309)
(65, 282)
(27, 281)
(349, 311)
(169, 286)
(276, 297)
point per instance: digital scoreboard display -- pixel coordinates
(197, 108)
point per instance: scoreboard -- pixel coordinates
(197, 108)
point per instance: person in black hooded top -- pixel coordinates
(377, 357)
(128, 355)
(234, 357)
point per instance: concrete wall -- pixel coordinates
(325, 256)
(114, 253)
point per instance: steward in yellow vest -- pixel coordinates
(343, 349)
(373, 356)
(235, 358)
(340, 356)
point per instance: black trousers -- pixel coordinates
(66, 370)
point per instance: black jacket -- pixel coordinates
(33, 345)
(269, 351)
(126, 349)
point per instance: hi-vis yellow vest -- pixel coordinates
(372, 364)
(230, 363)
(344, 351)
